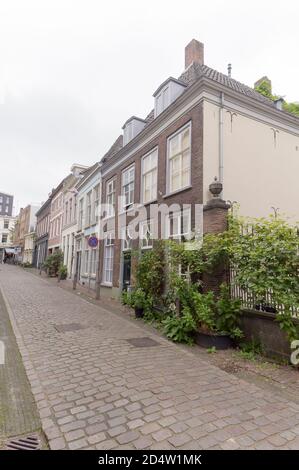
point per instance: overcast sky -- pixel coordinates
(73, 71)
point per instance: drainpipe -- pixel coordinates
(221, 162)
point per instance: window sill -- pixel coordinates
(152, 201)
(106, 284)
(177, 191)
(108, 218)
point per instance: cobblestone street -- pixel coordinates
(95, 389)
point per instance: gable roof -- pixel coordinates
(193, 73)
(196, 71)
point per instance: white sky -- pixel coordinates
(73, 71)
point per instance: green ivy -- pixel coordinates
(264, 89)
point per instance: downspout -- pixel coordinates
(221, 160)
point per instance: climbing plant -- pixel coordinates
(264, 88)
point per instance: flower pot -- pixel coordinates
(139, 312)
(210, 340)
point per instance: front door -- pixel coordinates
(126, 270)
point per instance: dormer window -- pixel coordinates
(132, 127)
(167, 93)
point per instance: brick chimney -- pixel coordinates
(194, 52)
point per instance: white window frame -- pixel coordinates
(96, 202)
(110, 197)
(108, 260)
(179, 215)
(126, 207)
(126, 238)
(93, 261)
(169, 190)
(145, 229)
(154, 188)
(80, 213)
(86, 260)
(88, 208)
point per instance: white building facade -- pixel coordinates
(7, 224)
(88, 228)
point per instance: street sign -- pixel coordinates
(93, 242)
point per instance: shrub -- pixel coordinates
(62, 271)
(52, 262)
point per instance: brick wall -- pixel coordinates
(192, 195)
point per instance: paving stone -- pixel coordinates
(96, 428)
(162, 435)
(179, 440)
(116, 431)
(57, 444)
(96, 438)
(73, 435)
(127, 437)
(79, 444)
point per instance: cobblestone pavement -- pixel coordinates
(94, 389)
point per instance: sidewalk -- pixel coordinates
(18, 412)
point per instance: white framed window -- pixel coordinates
(110, 197)
(4, 237)
(149, 176)
(88, 209)
(162, 100)
(71, 209)
(86, 261)
(93, 261)
(108, 258)
(66, 212)
(179, 225)
(80, 215)
(127, 190)
(96, 203)
(146, 234)
(179, 159)
(126, 238)
(6, 223)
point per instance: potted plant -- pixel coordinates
(136, 299)
(139, 302)
(218, 321)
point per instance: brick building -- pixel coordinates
(204, 125)
(42, 232)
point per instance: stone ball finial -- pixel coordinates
(215, 187)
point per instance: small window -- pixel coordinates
(6, 223)
(4, 237)
(108, 258)
(110, 198)
(80, 215)
(93, 261)
(179, 225)
(149, 177)
(128, 187)
(179, 159)
(86, 261)
(126, 238)
(88, 209)
(96, 203)
(146, 234)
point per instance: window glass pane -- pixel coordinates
(174, 145)
(179, 160)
